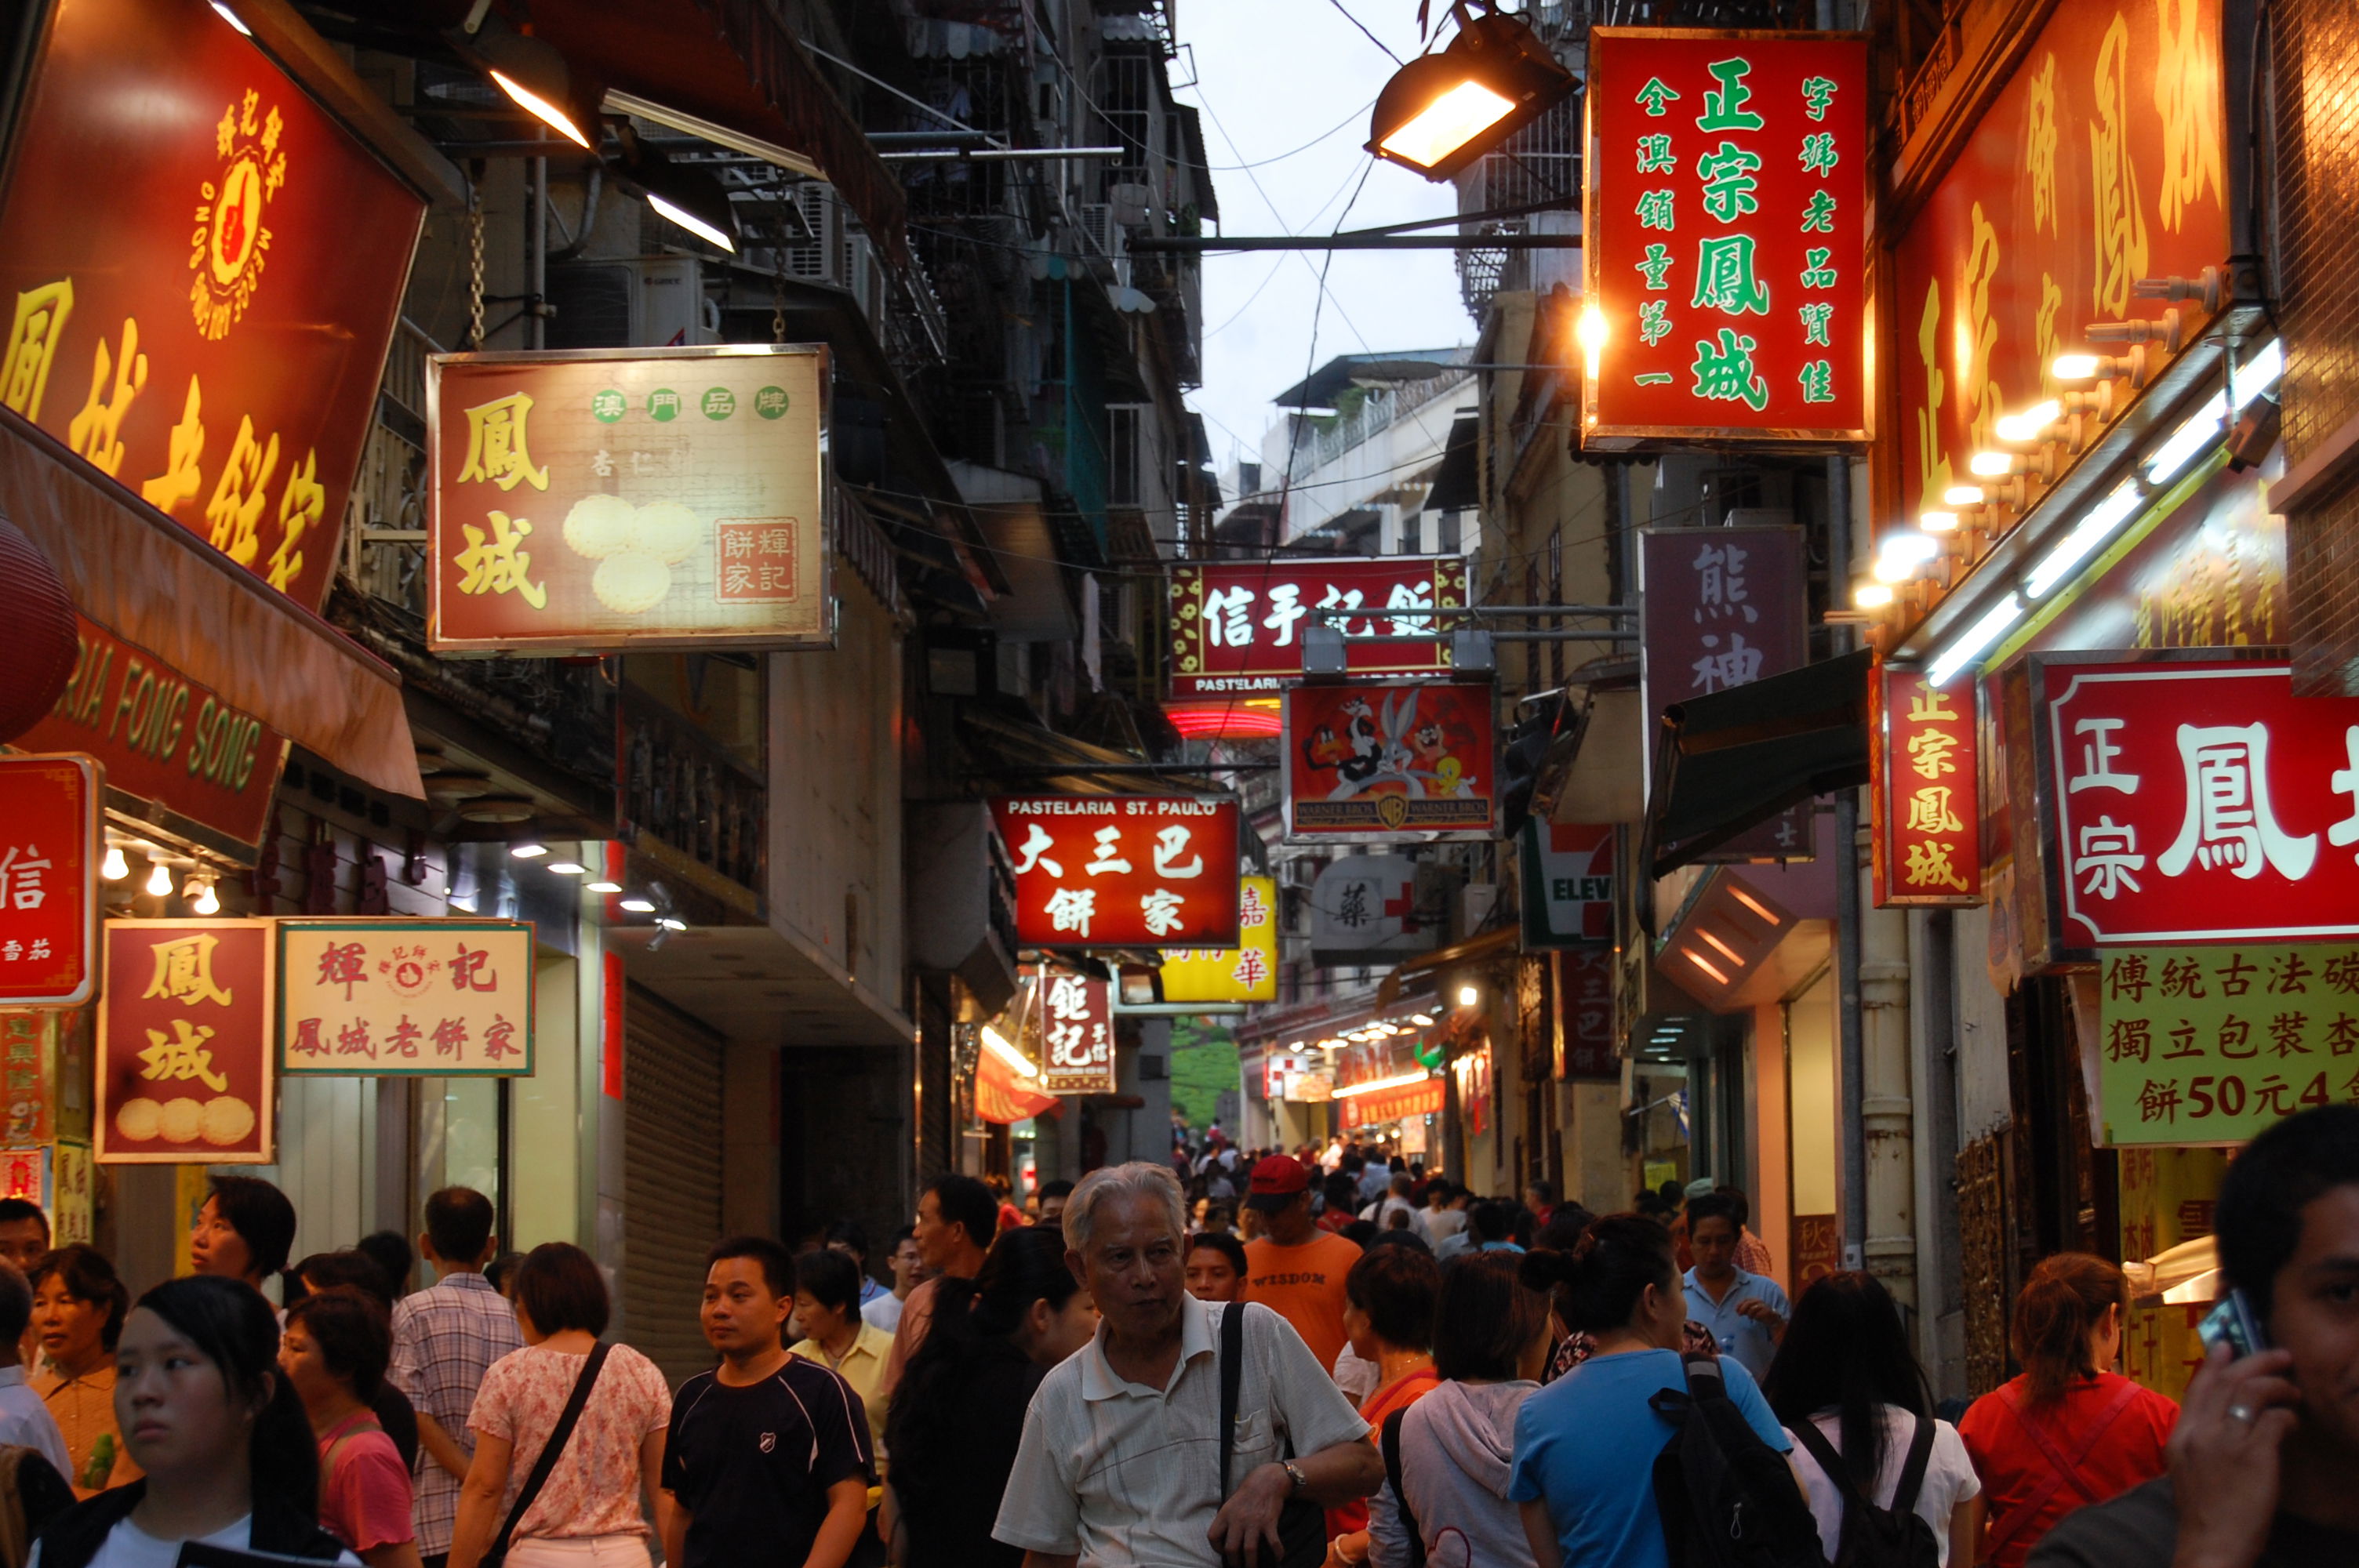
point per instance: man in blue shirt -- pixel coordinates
(1747, 1313)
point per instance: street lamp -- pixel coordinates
(1441, 112)
(685, 194)
(537, 77)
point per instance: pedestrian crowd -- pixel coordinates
(1119, 1377)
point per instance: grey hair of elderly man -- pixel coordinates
(1136, 1180)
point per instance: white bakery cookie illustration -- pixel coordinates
(635, 546)
(227, 1121)
(139, 1120)
(183, 1119)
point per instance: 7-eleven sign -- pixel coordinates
(1568, 883)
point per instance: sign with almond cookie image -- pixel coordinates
(600, 500)
(184, 1043)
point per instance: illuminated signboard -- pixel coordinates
(1377, 761)
(381, 999)
(1123, 870)
(49, 876)
(1922, 748)
(1237, 626)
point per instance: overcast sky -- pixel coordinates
(1272, 75)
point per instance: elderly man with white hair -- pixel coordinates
(1122, 1455)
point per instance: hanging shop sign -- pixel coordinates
(1280, 1072)
(2212, 1045)
(1922, 751)
(1568, 883)
(203, 271)
(390, 998)
(49, 880)
(2101, 163)
(25, 1175)
(29, 1076)
(1582, 999)
(1423, 1098)
(1248, 972)
(1364, 911)
(184, 1043)
(1123, 870)
(1237, 626)
(1076, 1015)
(1475, 1089)
(595, 499)
(1377, 761)
(2194, 800)
(1724, 223)
(1001, 1097)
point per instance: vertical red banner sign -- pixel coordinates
(184, 1043)
(1076, 1034)
(1927, 839)
(1584, 1013)
(49, 880)
(1723, 232)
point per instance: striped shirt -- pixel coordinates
(445, 1338)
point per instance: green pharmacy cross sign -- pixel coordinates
(1724, 230)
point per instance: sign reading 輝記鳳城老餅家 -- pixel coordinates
(1723, 232)
(404, 998)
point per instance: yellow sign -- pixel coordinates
(1248, 972)
(405, 998)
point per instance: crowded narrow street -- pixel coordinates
(1100, 784)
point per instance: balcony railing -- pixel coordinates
(695, 794)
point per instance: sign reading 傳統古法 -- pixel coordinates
(1375, 762)
(1248, 972)
(1723, 228)
(1928, 841)
(49, 876)
(201, 270)
(184, 1058)
(1123, 870)
(642, 498)
(1568, 883)
(2193, 800)
(1076, 1034)
(379, 998)
(2211, 1044)
(1237, 626)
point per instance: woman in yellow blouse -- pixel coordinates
(79, 1306)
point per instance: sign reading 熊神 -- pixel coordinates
(1921, 750)
(1237, 626)
(379, 998)
(1723, 234)
(1123, 870)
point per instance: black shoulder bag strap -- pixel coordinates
(1390, 1443)
(1232, 1371)
(1912, 1473)
(1831, 1463)
(550, 1454)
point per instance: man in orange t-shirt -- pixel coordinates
(1295, 1268)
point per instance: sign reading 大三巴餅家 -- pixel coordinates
(404, 998)
(628, 499)
(1123, 870)
(184, 1058)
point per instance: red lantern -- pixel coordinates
(38, 637)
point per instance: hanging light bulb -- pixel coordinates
(159, 881)
(115, 867)
(208, 902)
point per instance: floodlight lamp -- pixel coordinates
(536, 78)
(1468, 996)
(680, 193)
(1441, 112)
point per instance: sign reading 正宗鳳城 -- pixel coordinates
(1076, 1034)
(1237, 626)
(381, 999)
(1724, 237)
(1568, 883)
(1928, 841)
(2193, 800)
(184, 1058)
(628, 499)
(201, 270)
(1248, 972)
(49, 876)
(1585, 1046)
(2211, 1044)
(1123, 870)
(1376, 761)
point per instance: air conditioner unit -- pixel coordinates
(1101, 231)
(641, 302)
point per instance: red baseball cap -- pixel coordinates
(1278, 1179)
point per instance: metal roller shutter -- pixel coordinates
(671, 1181)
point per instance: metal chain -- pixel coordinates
(779, 296)
(476, 269)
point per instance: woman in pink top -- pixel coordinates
(335, 1353)
(593, 1511)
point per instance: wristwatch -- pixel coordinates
(1296, 1481)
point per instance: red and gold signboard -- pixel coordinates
(1237, 626)
(1123, 870)
(1584, 1013)
(1076, 1034)
(184, 1043)
(1928, 843)
(29, 1076)
(202, 271)
(1723, 232)
(1376, 761)
(381, 999)
(2102, 161)
(49, 871)
(1423, 1098)
(646, 498)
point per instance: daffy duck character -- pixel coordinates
(1353, 755)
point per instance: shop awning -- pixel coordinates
(1001, 1097)
(161, 587)
(1732, 759)
(1490, 945)
(1390, 1105)
(1457, 484)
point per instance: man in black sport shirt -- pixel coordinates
(767, 1460)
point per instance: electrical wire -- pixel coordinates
(1350, 119)
(1364, 33)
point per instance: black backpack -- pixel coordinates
(1896, 1537)
(1728, 1499)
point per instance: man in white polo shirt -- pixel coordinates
(1121, 1457)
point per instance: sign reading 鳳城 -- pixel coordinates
(1123, 870)
(1076, 1034)
(1584, 1013)
(379, 998)
(2194, 800)
(1928, 841)
(1724, 232)
(48, 872)
(1237, 626)
(201, 270)
(1376, 761)
(1248, 972)
(2211, 1044)
(1568, 883)
(184, 1036)
(587, 498)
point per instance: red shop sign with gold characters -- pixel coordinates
(1123, 870)
(48, 869)
(201, 271)
(1724, 232)
(1928, 841)
(184, 1035)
